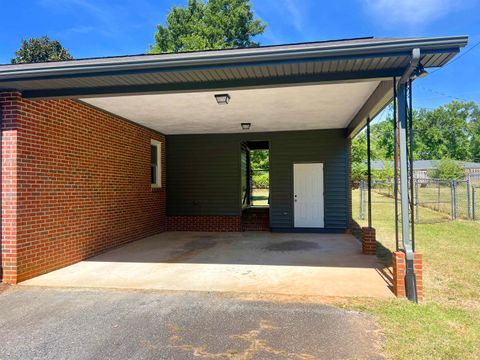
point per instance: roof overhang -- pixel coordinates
(329, 64)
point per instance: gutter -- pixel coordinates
(410, 277)
(415, 60)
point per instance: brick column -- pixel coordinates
(369, 241)
(399, 268)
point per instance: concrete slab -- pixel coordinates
(251, 262)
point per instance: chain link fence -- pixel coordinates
(434, 200)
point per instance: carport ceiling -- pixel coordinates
(327, 106)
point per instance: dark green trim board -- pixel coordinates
(381, 97)
(203, 173)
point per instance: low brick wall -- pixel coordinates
(204, 223)
(369, 241)
(399, 269)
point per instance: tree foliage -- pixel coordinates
(211, 24)
(451, 131)
(41, 49)
(445, 132)
(260, 161)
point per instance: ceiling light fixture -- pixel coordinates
(222, 99)
(246, 126)
(420, 71)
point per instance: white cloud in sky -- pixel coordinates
(295, 13)
(413, 13)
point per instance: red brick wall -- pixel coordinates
(204, 223)
(369, 241)
(75, 182)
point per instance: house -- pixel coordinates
(421, 168)
(101, 152)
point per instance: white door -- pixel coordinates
(308, 195)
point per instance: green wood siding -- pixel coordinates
(204, 173)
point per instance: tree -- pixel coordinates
(210, 24)
(474, 128)
(445, 131)
(41, 49)
(359, 171)
(449, 131)
(260, 166)
(447, 169)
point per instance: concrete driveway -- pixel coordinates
(96, 324)
(249, 262)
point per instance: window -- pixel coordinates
(156, 163)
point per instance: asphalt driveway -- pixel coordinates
(40, 323)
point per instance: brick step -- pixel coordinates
(256, 220)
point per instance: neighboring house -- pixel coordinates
(100, 152)
(421, 168)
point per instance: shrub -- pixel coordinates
(447, 169)
(359, 171)
(260, 181)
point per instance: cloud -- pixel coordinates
(295, 13)
(81, 29)
(108, 18)
(413, 13)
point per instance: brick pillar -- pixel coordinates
(369, 241)
(399, 269)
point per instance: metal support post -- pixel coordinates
(361, 199)
(410, 158)
(455, 203)
(395, 160)
(369, 176)
(473, 202)
(469, 203)
(417, 201)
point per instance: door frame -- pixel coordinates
(293, 192)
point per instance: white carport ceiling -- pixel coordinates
(325, 106)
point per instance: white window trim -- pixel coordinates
(158, 144)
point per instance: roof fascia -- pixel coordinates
(238, 57)
(256, 83)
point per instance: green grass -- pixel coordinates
(260, 197)
(447, 324)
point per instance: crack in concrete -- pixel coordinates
(256, 345)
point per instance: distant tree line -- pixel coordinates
(451, 131)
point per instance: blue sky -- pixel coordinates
(91, 28)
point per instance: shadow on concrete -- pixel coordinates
(249, 248)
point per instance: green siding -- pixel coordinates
(203, 173)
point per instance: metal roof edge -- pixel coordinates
(245, 55)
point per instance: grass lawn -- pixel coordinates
(447, 324)
(260, 197)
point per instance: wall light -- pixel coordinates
(246, 126)
(222, 99)
(420, 71)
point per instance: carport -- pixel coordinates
(113, 150)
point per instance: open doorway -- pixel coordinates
(255, 174)
(255, 185)
(260, 177)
